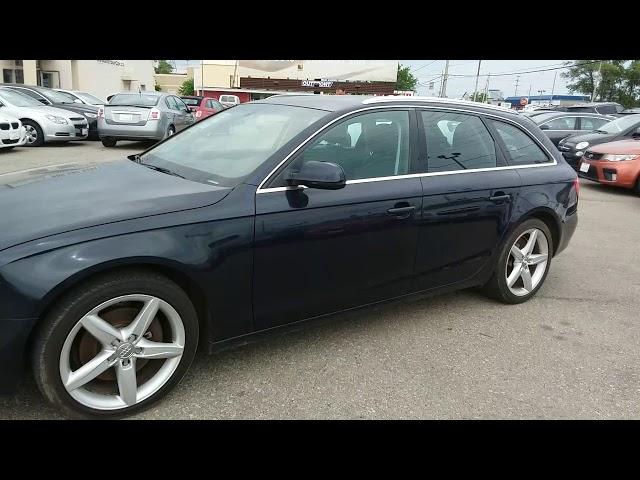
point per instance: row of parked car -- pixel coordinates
(603, 147)
(33, 116)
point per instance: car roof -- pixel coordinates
(334, 103)
(591, 104)
(549, 114)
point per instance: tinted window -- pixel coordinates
(134, 99)
(521, 148)
(457, 142)
(563, 123)
(171, 103)
(621, 124)
(192, 102)
(607, 109)
(591, 123)
(366, 146)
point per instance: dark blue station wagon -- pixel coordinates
(268, 214)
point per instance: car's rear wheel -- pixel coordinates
(171, 130)
(35, 137)
(109, 142)
(523, 263)
(115, 345)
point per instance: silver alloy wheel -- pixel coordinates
(527, 262)
(121, 349)
(32, 133)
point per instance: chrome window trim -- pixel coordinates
(413, 175)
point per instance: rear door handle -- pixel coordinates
(500, 198)
(402, 212)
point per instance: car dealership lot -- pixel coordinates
(570, 352)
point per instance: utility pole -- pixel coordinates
(553, 88)
(517, 82)
(595, 82)
(202, 77)
(486, 89)
(443, 91)
(529, 94)
(475, 90)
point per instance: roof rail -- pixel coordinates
(393, 98)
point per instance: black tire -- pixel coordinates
(171, 130)
(61, 319)
(39, 135)
(108, 142)
(496, 287)
(637, 187)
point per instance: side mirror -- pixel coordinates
(322, 175)
(544, 127)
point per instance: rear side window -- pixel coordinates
(589, 123)
(521, 148)
(171, 103)
(607, 109)
(457, 142)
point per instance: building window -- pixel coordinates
(19, 74)
(7, 75)
(18, 63)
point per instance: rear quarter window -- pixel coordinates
(521, 149)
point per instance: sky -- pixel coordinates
(431, 70)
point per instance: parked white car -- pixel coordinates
(84, 97)
(12, 133)
(43, 123)
(229, 100)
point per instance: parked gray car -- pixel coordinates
(142, 116)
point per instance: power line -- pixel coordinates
(529, 71)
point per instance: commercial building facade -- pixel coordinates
(255, 79)
(98, 77)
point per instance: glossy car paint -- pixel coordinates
(253, 259)
(627, 172)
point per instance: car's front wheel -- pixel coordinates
(115, 345)
(523, 263)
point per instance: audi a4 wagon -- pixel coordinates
(263, 216)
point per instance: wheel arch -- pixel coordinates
(159, 266)
(551, 220)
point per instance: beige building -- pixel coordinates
(98, 77)
(171, 82)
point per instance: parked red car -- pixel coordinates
(203, 106)
(613, 163)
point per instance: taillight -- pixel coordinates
(576, 184)
(198, 113)
(100, 112)
(154, 114)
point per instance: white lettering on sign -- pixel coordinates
(112, 62)
(316, 83)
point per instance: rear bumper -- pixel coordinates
(13, 343)
(152, 131)
(567, 228)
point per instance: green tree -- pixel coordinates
(614, 80)
(164, 67)
(158, 88)
(187, 87)
(405, 80)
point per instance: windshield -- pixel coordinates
(57, 97)
(88, 98)
(193, 102)
(135, 99)
(225, 148)
(620, 125)
(18, 99)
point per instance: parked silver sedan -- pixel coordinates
(43, 123)
(142, 116)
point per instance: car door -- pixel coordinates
(560, 127)
(183, 112)
(589, 124)
(321, 251)
(468, 197)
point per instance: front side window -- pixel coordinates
(457, 141)
(521, 148)
(621, 124)
(223, 149)
(18, 99)
(371, 145)
(32, 94)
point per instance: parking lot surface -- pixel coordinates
(571, 352)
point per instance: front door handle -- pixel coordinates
(402, 212)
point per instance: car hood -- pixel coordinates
(624, 147)
(591, 137)
(48, 201)
(39, 112)
(77, 107)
